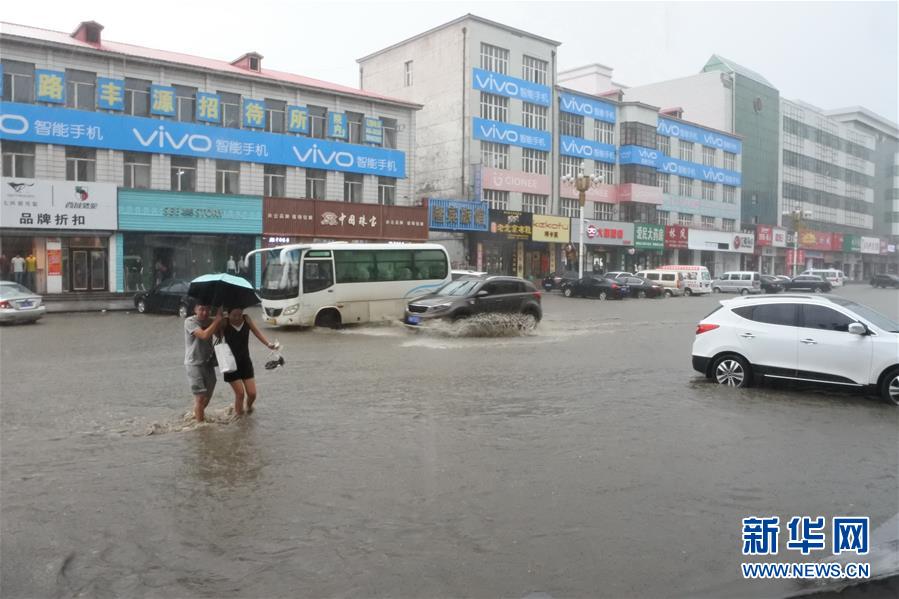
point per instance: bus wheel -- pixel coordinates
(328, 319)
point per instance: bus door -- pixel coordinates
(318, 283)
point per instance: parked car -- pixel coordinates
(19, 304)
(783, 278)
(808, 283)
(738, 281)
(555, 281)
(617, 274)
(885, 280)
(470, 296)
(458, 274)
(671, 281)
(834, 276)
(169, 296)
(771, 284)
(595, 286)
(640, 287)
(826, 340)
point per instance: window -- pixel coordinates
(730, 161)
(227, 176)
(533, 161)
(352, 188)
(186, 103)
(407, 74)
(230, 110)
(499, 200)
(354, 124)
(708, 222)
(664, 145)
(571, 124)
(137, 97)
(494, 59)
(18, 159)
(686, 150)
(533, 203)
(638, 134)
(389, 128)
(708, 191)
(315, 183)
(275, 116)
(494, 108)
(730, 194)
(636, 212)
(386, 191)
(728, 224)
(274, 179)
(603, 211)
(533, 69)
(81, 164)
(184, 173)
(81, 89)
(824, 318)
(708, 156)
(569, 165)
(533, 116)
(137, 170)
(317, 118)
(643, 175)
(494, 155)
(663, 217)
(570, 207)
(18, 81)
(604, 132)
(685, 220)
(665, 182)
(685, 187)
(317, 275)
(606, 171)
(780, 314)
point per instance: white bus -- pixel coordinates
(330, 284)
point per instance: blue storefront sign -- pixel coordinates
(698, 135)
(50, 86)
(589, 107)
(510, 87)
(174, 212)
(374, 131)
(504, 133)
(691, 170)
(458, 215)
(45, 124)
(583, 148)
(639, 155)
(162, 100)
(110, 93)
(337, 125)
(298, 119)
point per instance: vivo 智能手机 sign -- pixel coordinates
(510, 87)
(692, 170)
(639, 155)
(44, 124)
(698, 135)
(595, 109)
(504, 133)
(583, 148)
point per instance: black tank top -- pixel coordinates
(238, 341)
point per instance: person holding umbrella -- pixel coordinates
(236, 332)
(198, 356)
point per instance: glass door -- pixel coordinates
(80, 273)
(98, 270)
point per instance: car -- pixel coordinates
(738, 281)
(617, 274)
(808, 283)
(771, 284)
(640, 287)
(557, 280)
(19, 304)
(458, 274)
(884, 280)
(810, 338)
(783, 278)
(595, 286)
(168, 296)
(471, 296)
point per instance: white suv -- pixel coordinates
(810, 338)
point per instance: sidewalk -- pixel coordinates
(88, 302)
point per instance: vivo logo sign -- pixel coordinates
(692, 170)
(581, 148)
(503, 85)
(587, 107)
(697, 135)
(505, 133)
(639, 155)
(315, 156)
(714, 175)
(162, 139)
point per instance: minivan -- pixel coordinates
(671, 280)
(738, 281)
(696, 278)
(833, 275)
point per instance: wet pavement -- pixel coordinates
(584, 459)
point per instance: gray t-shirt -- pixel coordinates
(196, 351)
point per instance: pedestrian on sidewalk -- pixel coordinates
(199, 356)
(31, 271)
(236, 331)
(18, 269)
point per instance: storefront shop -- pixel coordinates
(450, 223)
(608, 245)
(502, 249)
(770, 249)
(549, 236)
(676, 241)
(649, 246)
(171, 235)
(62, 230)
(721, 251)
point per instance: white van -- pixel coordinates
(738, 281)
(833, 275)
(697, 279)
(671, 281)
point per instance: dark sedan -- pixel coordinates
(771, 284)
(169, 296)
(595, 286)
(640, 287)
(557, 280)
(885, 280)
(808, 283)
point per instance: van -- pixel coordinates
(833, 275)
(696, 279)
(671, 281)
(738, 281)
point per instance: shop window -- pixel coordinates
(18, 81)
(18, 159)
(186, 98)
(686, 150)
(499, 200)
(664, 142)
(137, 170)
(227, 176)
(354, 125)
(533, 161)
(81, 89)
(352, 188)
(315, 183)
(604, 132)
(317, 117)
(275, 115)
(535, 204)
(81, 164)
(606, 171)
(571, 124)
(230, 109)
(274, 179)
(184, 173)
(533, 116)
(137, 97)
(494, 155)
(389, 127)
(570, 207)
(494, 108)
(494, 59)
(708, 156)
(534, 69)
(603, 211)
(386, 191)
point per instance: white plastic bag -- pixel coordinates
(224, 357)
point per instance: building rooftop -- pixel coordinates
(869, 117)
(14, 30)
(719, 63)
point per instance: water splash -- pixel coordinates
(187, 422)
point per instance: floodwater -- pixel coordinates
(584, 458)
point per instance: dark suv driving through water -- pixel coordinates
(471, 296)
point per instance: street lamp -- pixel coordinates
(796, 215)
(582, 183)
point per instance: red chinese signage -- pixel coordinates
(836, 242)
(764, 235)
(676, 237)
(815, 240)
(341, 220)
(799, 260)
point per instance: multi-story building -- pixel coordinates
(125, 165)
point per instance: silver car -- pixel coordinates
(19, 304)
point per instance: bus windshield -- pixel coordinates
(280, 281)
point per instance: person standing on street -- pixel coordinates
(198, 356)
(18, 269)
(236, 331)
(31, 271)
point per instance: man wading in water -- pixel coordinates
(198, 356)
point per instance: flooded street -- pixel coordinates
(583, 459)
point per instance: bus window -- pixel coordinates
(317, 275)
(394, 265)
(355, 266)
(280, 281)
(429, 264)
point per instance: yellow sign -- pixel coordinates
(551, 228)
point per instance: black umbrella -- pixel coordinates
(223, 290)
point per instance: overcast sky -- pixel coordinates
(830, 54)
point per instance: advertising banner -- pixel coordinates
(551, 228)
(39, 204)
(511, 224)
